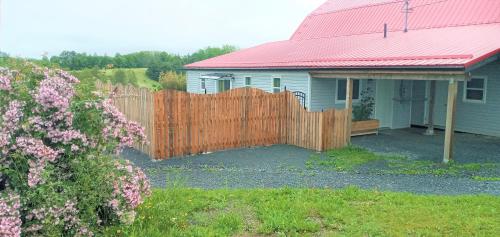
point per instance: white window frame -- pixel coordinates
(485, 91)
(337, 101)
(272, 84)
(245, 81)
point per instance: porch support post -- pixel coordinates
(432, 101)
(348, 106)
(450, 120)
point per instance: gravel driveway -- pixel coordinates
(284, 166)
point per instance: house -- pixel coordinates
(426, 62)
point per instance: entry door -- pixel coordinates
(384, 102)
(402, 104)
(223, 85)
(418, 107)
(441, 103)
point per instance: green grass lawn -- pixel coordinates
(352, 158)
(307, 212)
(142, 79)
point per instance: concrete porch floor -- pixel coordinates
(411, 142)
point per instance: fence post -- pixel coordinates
(348, 104)
(287, 118)
(321, 131)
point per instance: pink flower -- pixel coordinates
(56, 90)
(114, 203)
(66, 215)
(36, 148)
(12, 117)
(5, 83)
(10, 218)
(41, 154)
(133, 185)
(74, 148)
(5, 80)
(119, 128)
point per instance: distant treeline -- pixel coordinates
(156, 62)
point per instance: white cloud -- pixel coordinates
(30, 27)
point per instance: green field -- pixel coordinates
(310, 212)
(140, 73)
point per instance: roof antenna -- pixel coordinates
(406, 11)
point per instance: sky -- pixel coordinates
(30, 28)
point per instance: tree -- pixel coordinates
(156, 62)
(154, 71)
(209, 52)
(173, 80)
(119, 77)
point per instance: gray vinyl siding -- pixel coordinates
(292, 80)
(475, 118)
(194, 83)
(324, 93)
(481, 118)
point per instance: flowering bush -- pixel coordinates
(58, 176)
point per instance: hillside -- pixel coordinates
(140, 75)
(134, 76)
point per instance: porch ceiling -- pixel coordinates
(393, 75)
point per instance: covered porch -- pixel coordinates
(469, 148)
(403, 78)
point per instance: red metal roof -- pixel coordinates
(349, 33)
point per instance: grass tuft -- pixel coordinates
(480, 178)
(347, 159)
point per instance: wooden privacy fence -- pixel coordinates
(180, 123)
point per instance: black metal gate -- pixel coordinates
(301, 96)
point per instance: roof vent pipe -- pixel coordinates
(385, 30)
(406, 11)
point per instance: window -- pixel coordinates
(475, 90)
(223, 85)
(203, 84)
(276, 85)
(341, 89)
(248, 81)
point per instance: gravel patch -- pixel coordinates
(284, 166)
